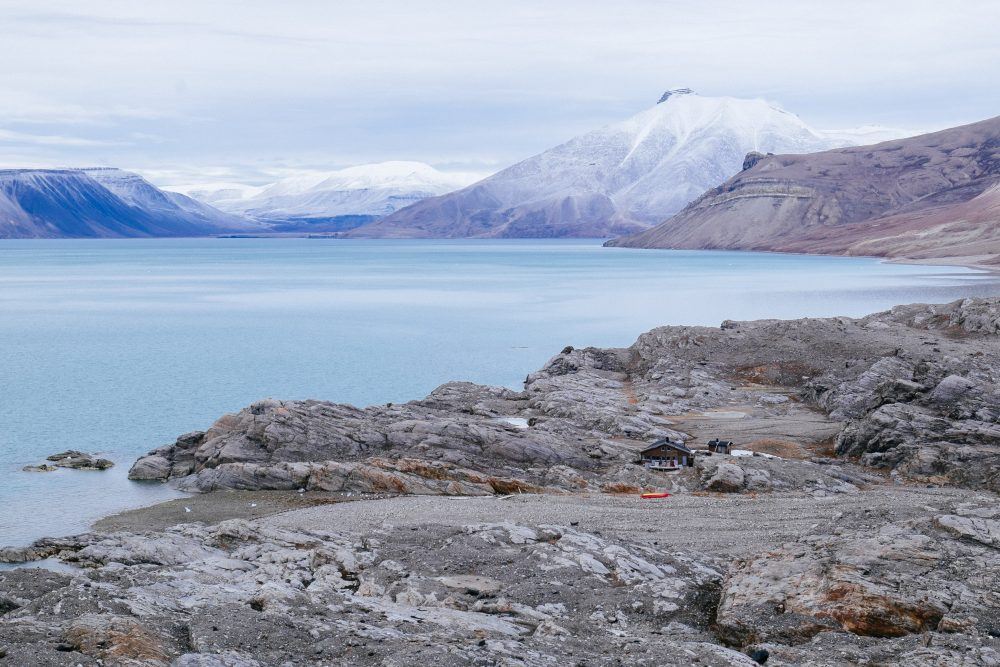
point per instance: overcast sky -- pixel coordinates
(206, 90)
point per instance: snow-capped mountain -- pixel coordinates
(619, 179)
(89, 203)
(213, 193)
(362, 192)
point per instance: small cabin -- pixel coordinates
(666, 454)
(717, 446)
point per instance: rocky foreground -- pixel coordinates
(866, 530)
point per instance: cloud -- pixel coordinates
(261, 86)
(39, 108)
(8, 136)
(187, 178)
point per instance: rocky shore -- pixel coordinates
(486, 526)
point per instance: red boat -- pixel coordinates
(655, 495)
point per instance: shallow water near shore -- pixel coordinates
(117, 346)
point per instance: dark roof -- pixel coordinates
(666, 442)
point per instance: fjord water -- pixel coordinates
(119, 346)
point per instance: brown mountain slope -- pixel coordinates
(930, 196)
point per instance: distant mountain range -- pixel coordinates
(930, 196)
(332, 201)
(619, 179)
(102, 203)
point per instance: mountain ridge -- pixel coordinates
(313, 199)
(930, 196)
(618, 179)
(101, 203)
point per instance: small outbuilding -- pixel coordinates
(666, 454)
(717, 446)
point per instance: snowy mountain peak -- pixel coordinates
(674, 91)
(362, 190)
(627, 175)
(393, 174)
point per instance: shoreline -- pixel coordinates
(480, 525)
(957, 282)
(278, 502)
(975, 262)
(964, 262)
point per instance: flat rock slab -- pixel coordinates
(214, 507)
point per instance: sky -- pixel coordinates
(192, 91)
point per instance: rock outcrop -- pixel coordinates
(752, 158)
(271, 592)
(491, 593)
(912, 390)
(931, 574)
(933, 418)
(74, 460)
(429, 446)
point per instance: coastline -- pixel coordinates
(483, 524)
(229, 504)
(984, 263)
(589, 282)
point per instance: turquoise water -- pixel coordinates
(119, 346)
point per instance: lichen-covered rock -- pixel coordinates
(298, 444)
(906, 578)
(241, 593)
(375, 475)
(973, 316)
(120, 641)
(843, 649)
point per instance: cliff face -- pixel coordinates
(935, 195)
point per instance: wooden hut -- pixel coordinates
(717, 446)
(666, 454)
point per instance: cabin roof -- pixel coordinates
(665, 442)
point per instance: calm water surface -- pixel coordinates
(119, 346)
